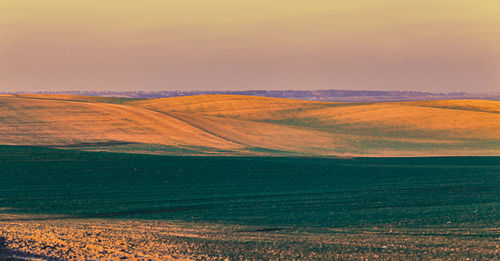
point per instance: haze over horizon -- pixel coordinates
(56, 45)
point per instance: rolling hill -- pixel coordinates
(248, 125)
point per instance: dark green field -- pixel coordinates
(270, 192)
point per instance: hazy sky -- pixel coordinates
(426, 45)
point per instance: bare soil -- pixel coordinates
(60, 238)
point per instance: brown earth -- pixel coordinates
(93, 239)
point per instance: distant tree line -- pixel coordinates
(317, 95)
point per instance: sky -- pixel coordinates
(153, 45)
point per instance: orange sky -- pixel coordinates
(427, 45)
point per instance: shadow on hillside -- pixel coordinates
(11, 255)
(93, 144)
(105, 215)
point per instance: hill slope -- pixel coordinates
(246, 125)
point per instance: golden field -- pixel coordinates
(247, 125)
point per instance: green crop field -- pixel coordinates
(296, 192)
